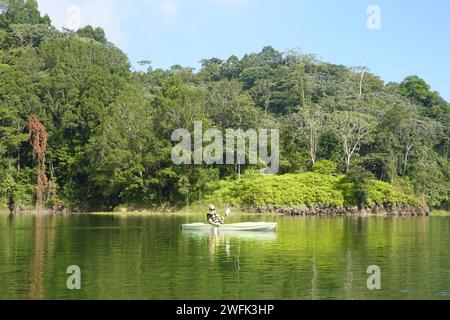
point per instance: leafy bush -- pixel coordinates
(18, 186)
(308, 190)
(382, 193)
(325, 167)
(297, 190)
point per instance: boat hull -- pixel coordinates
(248, 226)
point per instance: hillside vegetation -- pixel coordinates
(101, 133)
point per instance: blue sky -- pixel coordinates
(414, 37)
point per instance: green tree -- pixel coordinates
(416, 88)
(360, 179)
(21, 12)
(413, 132)
(120, 154)
(97, 34)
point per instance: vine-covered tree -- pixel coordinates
(38, 141)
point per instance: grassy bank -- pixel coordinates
(310, 190)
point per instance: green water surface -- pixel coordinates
(149, 257)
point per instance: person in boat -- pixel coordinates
(213, 218)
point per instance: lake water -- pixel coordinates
(148, 257)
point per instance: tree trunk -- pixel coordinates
(408, 150)
(361, 83)
(406, 162)
(347, 163)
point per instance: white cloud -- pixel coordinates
(107, 14)
(169, 10)
(152, 16)
(162, 12)
(229, 4)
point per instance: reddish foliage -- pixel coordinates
(38, 140)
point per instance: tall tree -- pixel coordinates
(310, 124)
(352, 128)
(413, 132)
(416, 88)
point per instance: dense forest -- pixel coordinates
(80, 129)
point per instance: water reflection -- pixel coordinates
(11, 218)
(220, 243)
(36, 271)
(315, 279)
(235, 235)
(150, 258)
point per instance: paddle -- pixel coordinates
(227, 213)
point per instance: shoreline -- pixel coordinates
(317, 211)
